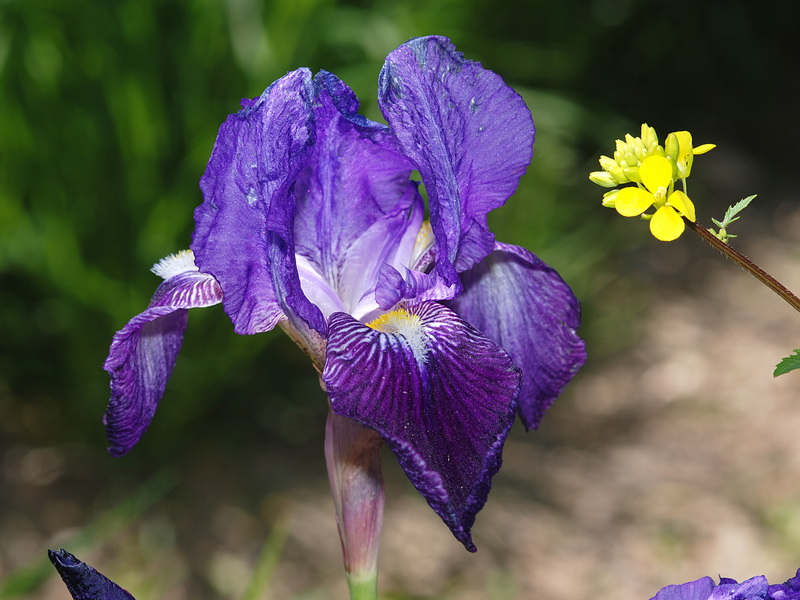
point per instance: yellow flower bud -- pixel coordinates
(632, 173)
(619, 175)
(609, 198)
(649, 137)
(671, 147)
(607, 163)
(602, 178)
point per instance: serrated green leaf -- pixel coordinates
(790, 363)
(730, 214)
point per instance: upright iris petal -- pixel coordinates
(467, 132)
(357, 209)
(244, 234)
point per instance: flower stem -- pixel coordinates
(353, 457)
(747, 264)
(363, 588)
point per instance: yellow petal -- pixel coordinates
(632, 201)
(666, 225)
(656, 172)
(684, 143)
(704, 148)
(682, 204)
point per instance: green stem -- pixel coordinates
(748, 265)
(363, 587)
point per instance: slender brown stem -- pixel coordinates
(747, 264)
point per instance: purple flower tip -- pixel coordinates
(84, 582)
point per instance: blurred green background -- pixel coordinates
(108, 113)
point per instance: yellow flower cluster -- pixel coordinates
(652, 170)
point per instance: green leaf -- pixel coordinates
(730, 214)
(270, 554)
(790, 363)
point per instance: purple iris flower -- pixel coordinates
(429, 332)
(84, 582)
(755, 588)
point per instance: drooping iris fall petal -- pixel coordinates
(143, 354)
(525, 307)
(440, 393)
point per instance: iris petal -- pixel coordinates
(355, 177)
(666, 225)
(244, 232)
(694, 590)
(401, 283)
(469, 135)
(790, 590)
(754, 588)
(84, 582)
(656, 172)
(143, 354)
(387, 241)
(525, 307)
(439, 392)
(632, 201)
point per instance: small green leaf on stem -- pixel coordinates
(730, 217)
(790, 363)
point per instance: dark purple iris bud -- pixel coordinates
(84, 582)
